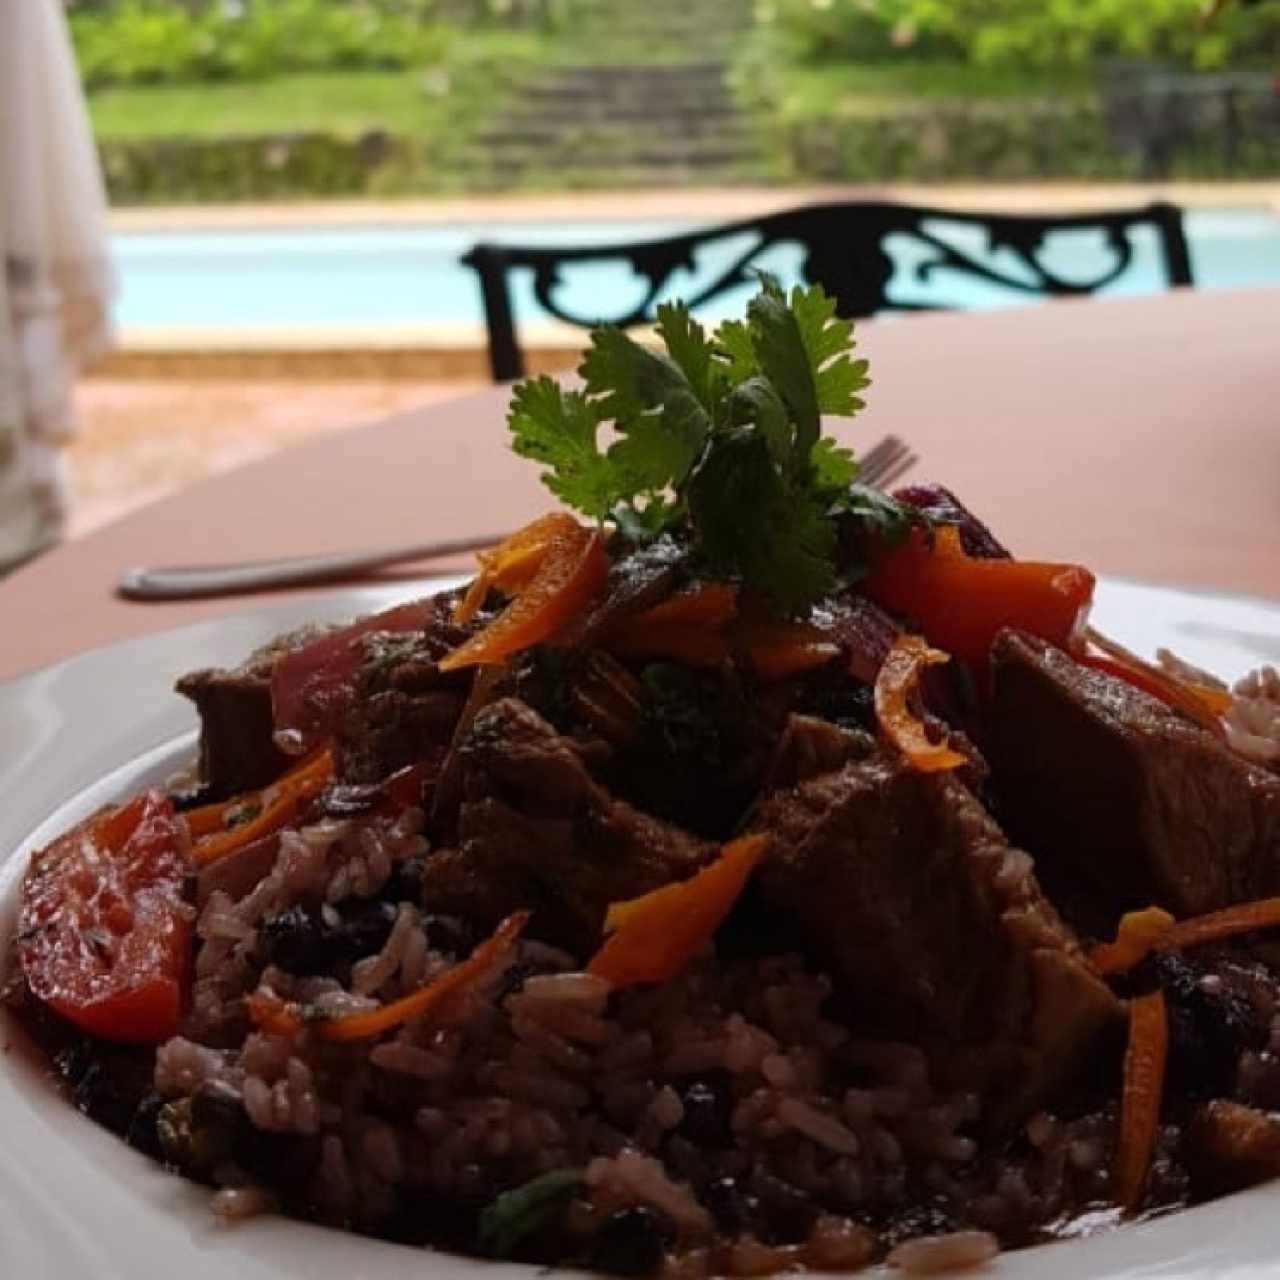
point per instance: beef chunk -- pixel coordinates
(405, 708)
(389, 730)
(809, 747)
(1120, 795)
(237, 751)
(1228, 1147)
(936, 926)
(536, 830)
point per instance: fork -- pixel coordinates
(886, 461)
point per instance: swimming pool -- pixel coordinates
(313, 279)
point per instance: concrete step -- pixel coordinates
(706, 160)
(520, 132)
(555, 114)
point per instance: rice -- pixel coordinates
(930, 1254)
(1252, 721)
(729, 1074)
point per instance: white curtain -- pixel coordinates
(56, 281)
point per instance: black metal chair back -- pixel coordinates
(844, 251)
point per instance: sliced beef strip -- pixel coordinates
(936, 926)
(537, 831)
(237, 751)
(1121, 799)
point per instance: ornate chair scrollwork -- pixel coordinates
(844, 249)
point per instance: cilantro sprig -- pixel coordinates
(719, 434)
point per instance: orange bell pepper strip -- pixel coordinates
(1140, 933)
(511, 564)
(1141, 1097)
(571, 573)
(898, 679)
(271, 809)
(961, 602)
(653, 937)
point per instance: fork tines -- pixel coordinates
(888, 460)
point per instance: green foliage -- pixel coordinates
(1019, 32)
(159, 41)
(719, 436)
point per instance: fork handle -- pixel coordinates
(189, 582)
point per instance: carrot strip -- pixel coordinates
(271, 1014)
(776, 650)
(1144, 1068)
(512, 563)
(277, 806)
(898, 679)
(1244, 918)
(436, 997)
(654, 936)
(710, 603)
(1140, 933)
(570, 574)
(1203, 705)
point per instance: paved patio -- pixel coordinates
(141, 440)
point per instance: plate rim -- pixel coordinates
(1200, 1242)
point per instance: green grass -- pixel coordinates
(773, 79)
(817, 89)
(469, 87)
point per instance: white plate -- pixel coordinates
(75, 1202)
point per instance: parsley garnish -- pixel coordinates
(718, 435)
(507, 1220)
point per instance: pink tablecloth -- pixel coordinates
(1140, 437)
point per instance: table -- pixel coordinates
(1138, 436)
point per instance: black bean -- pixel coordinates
(216, 1105)
(406, 881)
(786, 1212)
(930, 1219)
(632, 1242)
(300, 941)
(365, 928)
(512, 981)
(294, 940)
(449, 934)
(1208, 1029)
(280, 1159)
(143, 1134)
(732, 1205)
(708, 1106)
(107, 1086)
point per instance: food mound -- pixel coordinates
(765, 872)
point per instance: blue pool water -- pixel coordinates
(371, 277)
